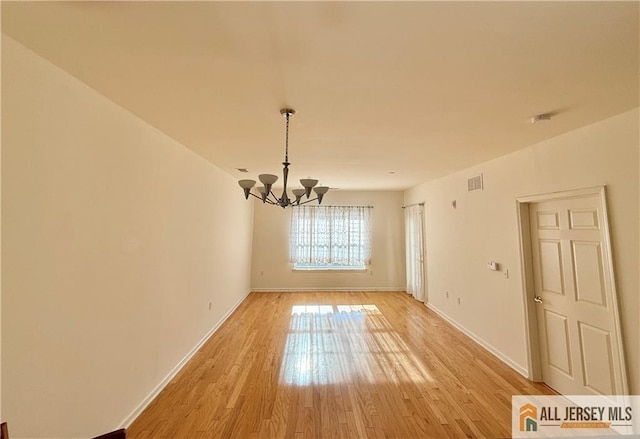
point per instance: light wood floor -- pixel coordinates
(336, 365)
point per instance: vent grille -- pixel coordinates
(475, 183)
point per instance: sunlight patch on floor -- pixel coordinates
(330, 344)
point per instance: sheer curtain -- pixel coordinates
(338, 235)
(414, 229)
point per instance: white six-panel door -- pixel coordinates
(580, 351)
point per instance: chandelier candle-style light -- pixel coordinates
(265, 192)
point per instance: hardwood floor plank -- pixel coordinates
(336, 365)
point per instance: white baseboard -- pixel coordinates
(288, 290)
(509, 362)
(156, 391)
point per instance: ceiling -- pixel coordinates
(388, 94)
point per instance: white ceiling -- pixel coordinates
(421, 89)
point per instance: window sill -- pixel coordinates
(330, 270)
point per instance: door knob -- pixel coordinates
(537, 299)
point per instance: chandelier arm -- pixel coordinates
(275, 198)
(305, 202)
(268, 201)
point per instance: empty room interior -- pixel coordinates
(315, 219)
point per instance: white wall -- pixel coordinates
(459, 242)
(115, 240)
(271, 269)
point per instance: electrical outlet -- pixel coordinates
(209, 306)
(446, 294)
(458, 301)
(506, 274)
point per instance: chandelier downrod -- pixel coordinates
(266, 194)
(287, 113)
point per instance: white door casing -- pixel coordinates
(575, 338)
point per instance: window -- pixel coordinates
(330, 237)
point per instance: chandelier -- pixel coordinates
(266, 194)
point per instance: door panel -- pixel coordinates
(589, 272)
(596, 356)
(548, 220)
(583, 219)
(576, 322)
(557, 341)
(551, 266)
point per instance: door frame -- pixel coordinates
(423, 253)
(528, 291)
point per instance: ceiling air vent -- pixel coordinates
(475, 183)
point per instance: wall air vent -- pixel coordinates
(475, 183)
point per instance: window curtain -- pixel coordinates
(414, 229)
(331, 235)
